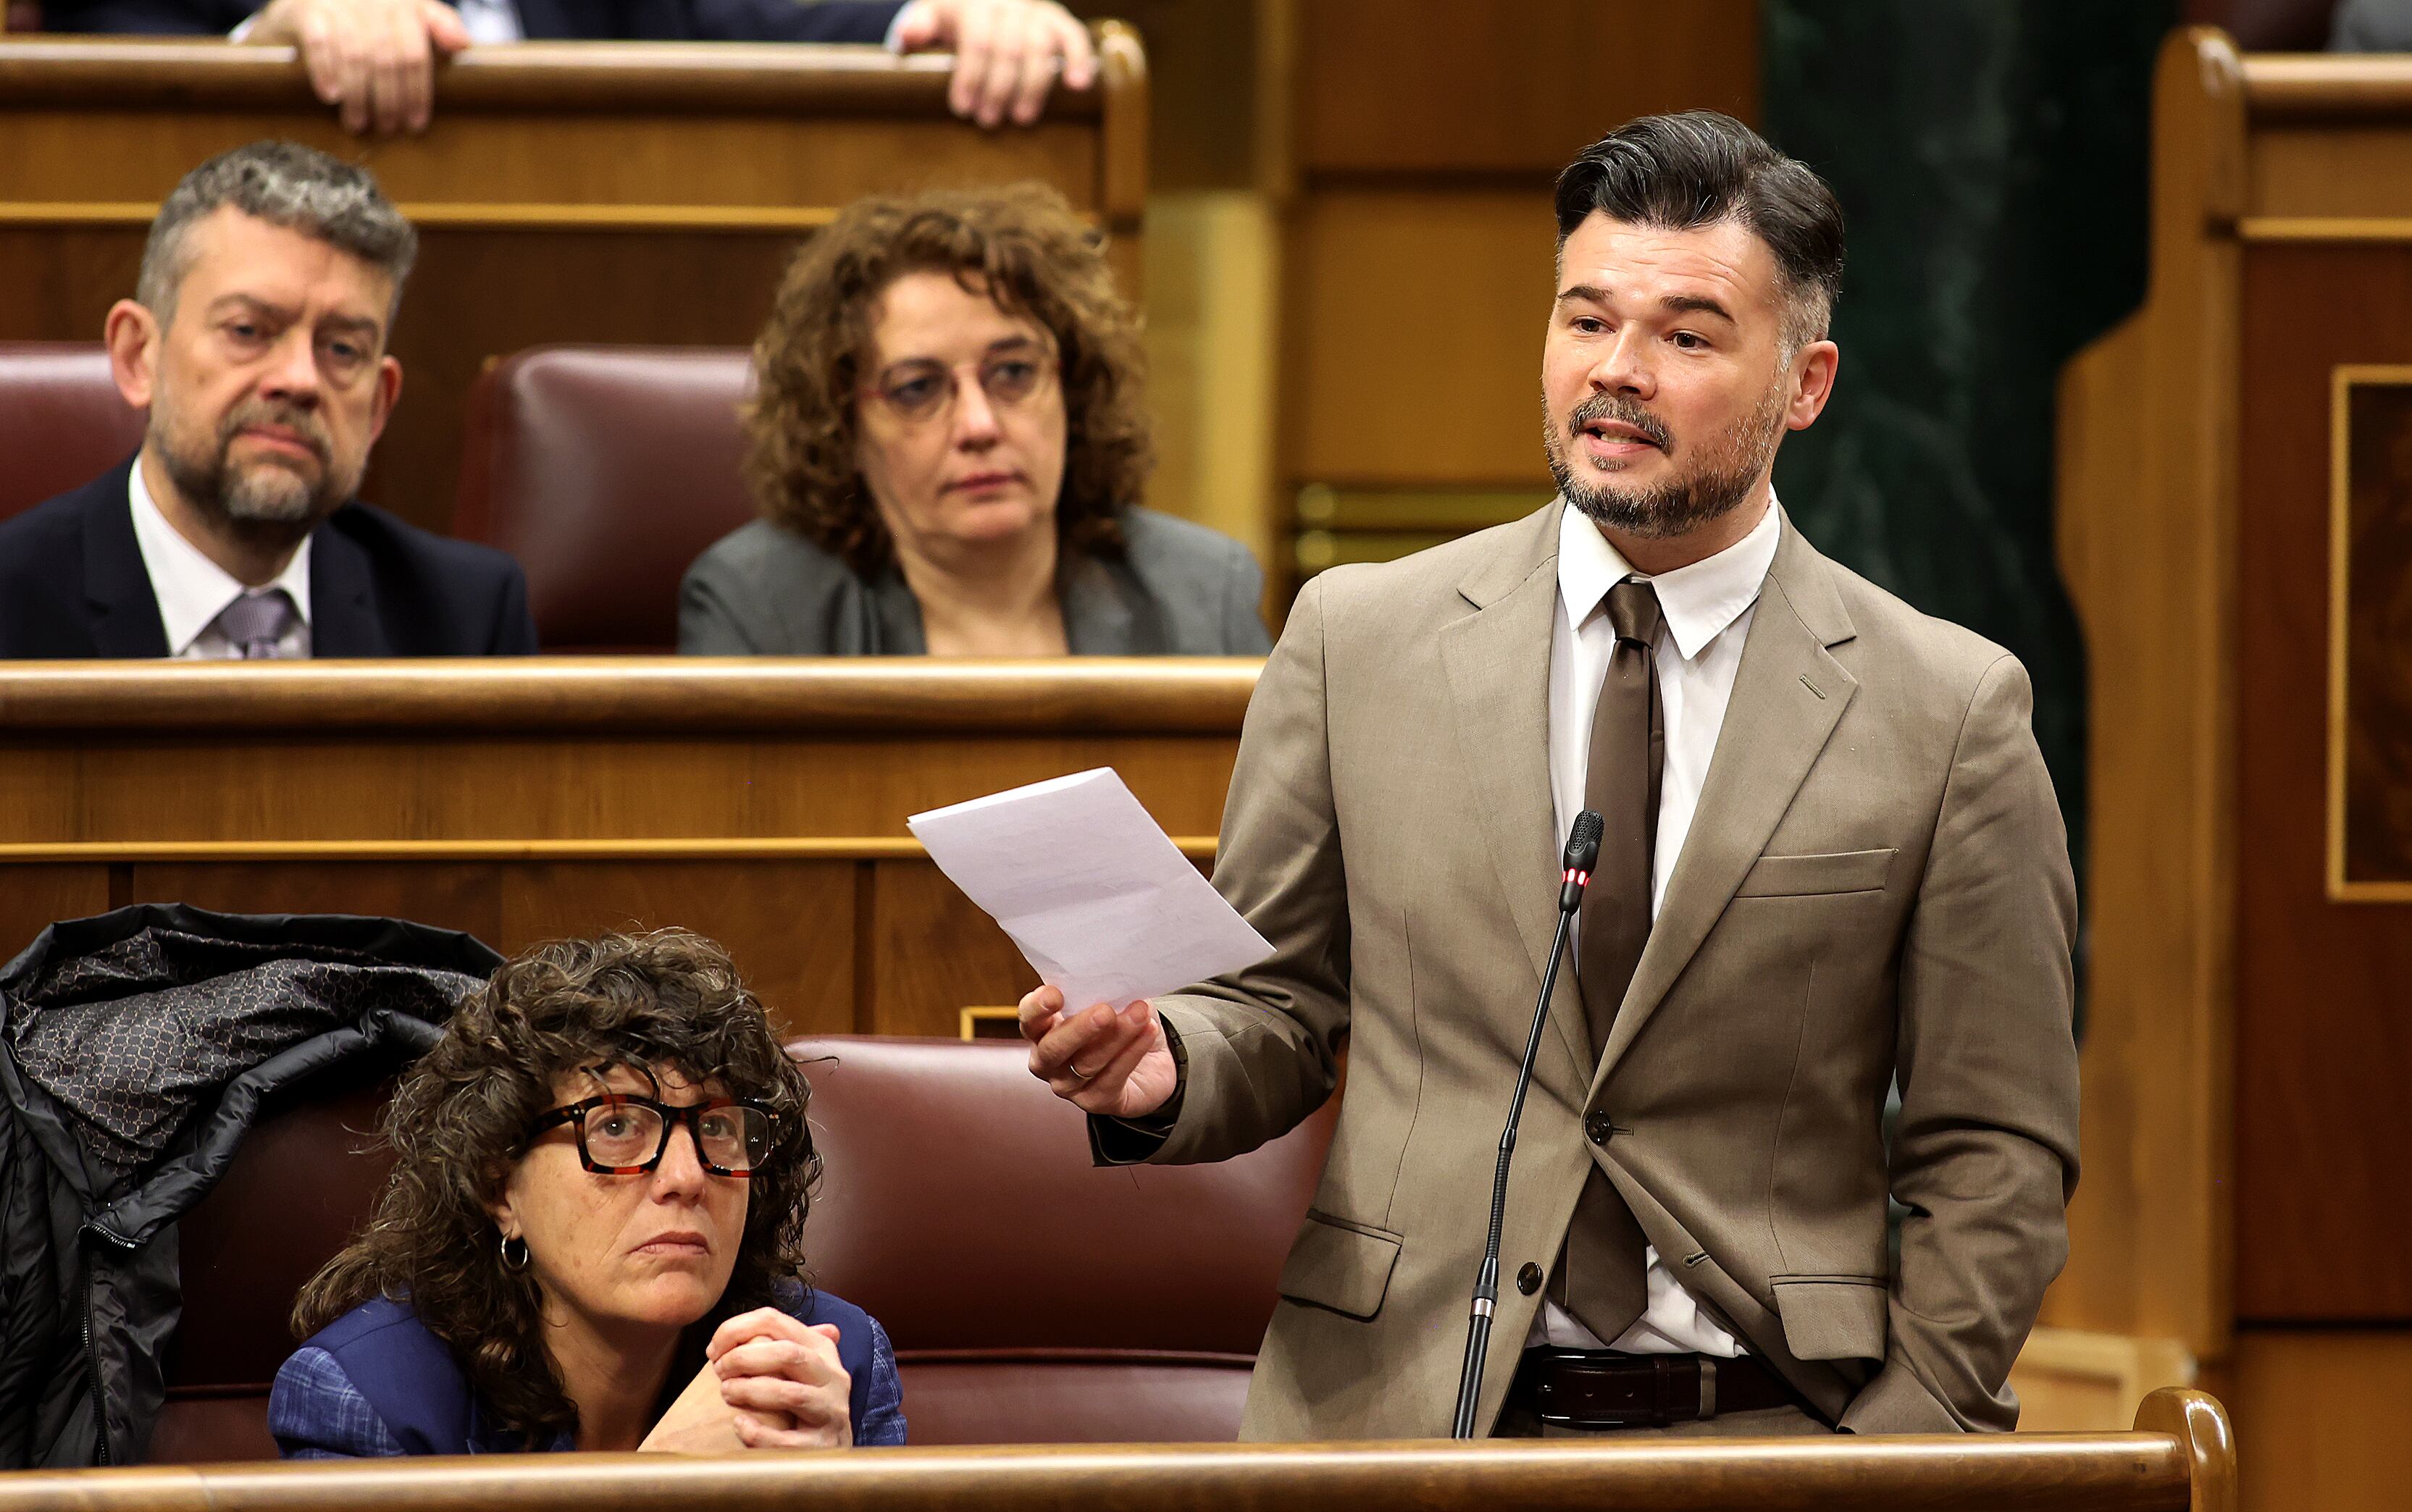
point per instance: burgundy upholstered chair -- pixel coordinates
(1033, 1297)
(62, 422)
(301, 1184)
(606, 470)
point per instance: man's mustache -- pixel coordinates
(1622, 410)
(302, 422)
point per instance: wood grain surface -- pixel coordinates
(2180, 1460)
(762, 803)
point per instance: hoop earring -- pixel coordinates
(515, 1253)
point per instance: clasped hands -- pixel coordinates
(768, 1382)
(1114, 1065)
(375, 60)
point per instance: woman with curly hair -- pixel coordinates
(592, 1238)
(949, 445)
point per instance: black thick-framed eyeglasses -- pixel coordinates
(622, 1134)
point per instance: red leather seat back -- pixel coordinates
(302, 1185)
(606, 470)
(1033, 1297)
(62, 422)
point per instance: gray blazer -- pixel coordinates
(1182, 590)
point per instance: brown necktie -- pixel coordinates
(1602, 1274)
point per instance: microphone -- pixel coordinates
(1582, 850)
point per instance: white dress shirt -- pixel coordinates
(1707, 611)
(191, 591)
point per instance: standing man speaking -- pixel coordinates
(1832, 862)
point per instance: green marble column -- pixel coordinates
(1991, 157)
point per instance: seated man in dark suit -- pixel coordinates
(258, 340)
(375, 58)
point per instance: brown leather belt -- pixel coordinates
(1602, 1389)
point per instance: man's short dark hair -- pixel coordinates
(284, 183)
(1698, 169)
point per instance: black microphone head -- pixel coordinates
(1582, 842)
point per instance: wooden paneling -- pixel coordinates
(2147, 536)
(930, 945)
(762, 803)
(1415, 338)
(1460, 87)
(603, 191)
(2324, 989)
(789, 923)
(34, 896)
(2319, 1421)
(2070, 1381)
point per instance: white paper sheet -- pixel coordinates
(1101, 902)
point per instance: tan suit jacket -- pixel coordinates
(1877, 884)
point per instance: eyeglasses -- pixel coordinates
(924, 390)
(620, 1133)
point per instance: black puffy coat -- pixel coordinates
(136, 1049)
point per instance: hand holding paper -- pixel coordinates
(1108, 911)
(1101, 902)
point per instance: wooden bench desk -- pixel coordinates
(2178, 1459)
(761, 802)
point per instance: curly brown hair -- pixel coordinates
(668, 1000)
(1020, 246)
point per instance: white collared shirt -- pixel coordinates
(191, 591)
(1706, 609)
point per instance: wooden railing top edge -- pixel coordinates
(673, 695)
(2341, 87)
(790, 78)
(2137, 1471)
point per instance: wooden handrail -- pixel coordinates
(1117, 695)
(791, 78)
(2330, 86)
(2184, 1466)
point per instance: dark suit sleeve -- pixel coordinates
(514, 626)
(785, 21)
(1985, 1152)
(147, 18)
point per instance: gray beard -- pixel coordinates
(264, 505)
(1683, 502)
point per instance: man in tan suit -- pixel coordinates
(1833, 863)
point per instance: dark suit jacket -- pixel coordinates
(72, 584)
(651, 21)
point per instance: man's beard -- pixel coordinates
(1714, 485)
(267, 503)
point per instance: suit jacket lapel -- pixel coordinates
(116, 585)
(1789, 693)
(1497, 660)
(343, 603)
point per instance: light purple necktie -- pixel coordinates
(256, 622)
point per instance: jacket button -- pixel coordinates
(1599, 1127)
(1528, 1280)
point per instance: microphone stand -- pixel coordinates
(1583, 849)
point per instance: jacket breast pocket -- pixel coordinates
(1803, 876)
(1339, 1264)
(1832, 1317)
